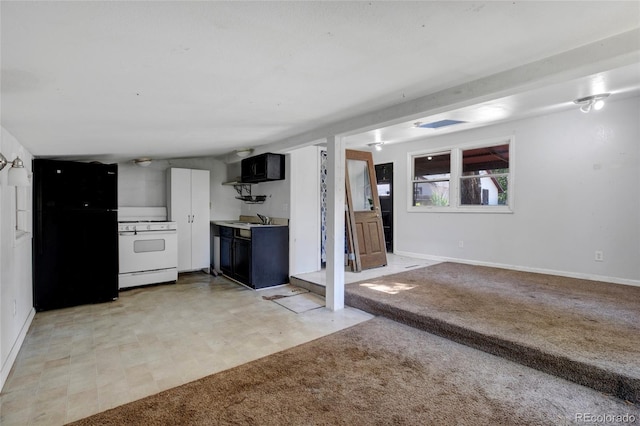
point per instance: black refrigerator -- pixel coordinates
(75, 241)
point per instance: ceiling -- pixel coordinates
(122, 80)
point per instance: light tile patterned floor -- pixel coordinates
(82, 360)
(302, 302)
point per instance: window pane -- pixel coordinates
(360, 185)
(22, 209)
(431, 193)
(384, 189)
(480, 161)
(486, 190)
(436, 166)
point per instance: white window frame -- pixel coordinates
(414, 181)
(22, 217)
(455, 205)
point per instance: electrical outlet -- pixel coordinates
(461, 244)
(599, 257)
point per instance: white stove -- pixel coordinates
(148, 247)
(146, 226)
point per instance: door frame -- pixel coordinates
(390, 243)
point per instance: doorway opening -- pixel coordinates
(384, 175)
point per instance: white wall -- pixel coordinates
(147, 186)
(278, 195)
(304, 224)
(576, 188)
(16, 294)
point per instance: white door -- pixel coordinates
(180, 212)
(200, 223)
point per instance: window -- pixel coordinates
(23, 212)
(431, 179)
(485, 176)
(471, 178)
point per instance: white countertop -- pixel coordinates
(241, 225)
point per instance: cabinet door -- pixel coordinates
(226, 256)
(200, 246)
(242, 260)
(260, 167)
(246, 169)
(274, 167)
(179, 195)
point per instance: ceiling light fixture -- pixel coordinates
(244, 152)
(142, 162)
(18, 175)
(377, 145)
(591, 102)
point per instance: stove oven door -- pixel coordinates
(147, 257)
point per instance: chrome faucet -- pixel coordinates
(266, 220)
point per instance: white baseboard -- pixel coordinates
(591, 277)
(13, 354)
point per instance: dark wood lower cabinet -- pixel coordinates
(242, 260)
(226, 255)
(258, 261)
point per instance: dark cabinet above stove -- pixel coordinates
(262, 168)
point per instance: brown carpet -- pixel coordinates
(584, 331)
(376, 373)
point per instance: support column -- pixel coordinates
(335, 223)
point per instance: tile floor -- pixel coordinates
(395, 264)
(82, 360)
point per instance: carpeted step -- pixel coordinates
(415, 303)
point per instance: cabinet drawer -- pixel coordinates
(225, 231)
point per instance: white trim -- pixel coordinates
(579, 275)
(13, 354)
(23, 234)
(21, 237)
(394, 200)
(461, 209)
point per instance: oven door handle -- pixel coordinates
(146, 233)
